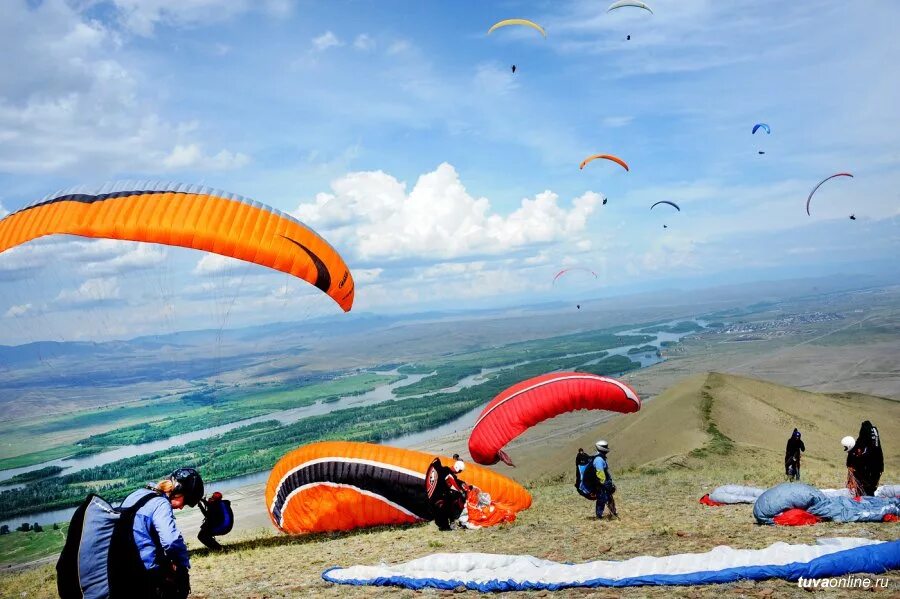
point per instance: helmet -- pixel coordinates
(848, 443)
(602, 446)
(459, 466)
(188, 484)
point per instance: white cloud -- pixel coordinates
(141, 256)
(438, 219)
(191, 156)
(71, 104)
(398, 47)
(325, 41)
(216, 264)
(617, 121)
(92, 291)
(19, 310)
(23, 261)
(364, 42)
(143, 16)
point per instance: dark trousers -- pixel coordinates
(602, 498)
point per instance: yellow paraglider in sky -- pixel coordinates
(524, 22)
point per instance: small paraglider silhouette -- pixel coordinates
(761, 152)
(665, 226)
(628, 37)
(578, 306)
(514, 68)
(852, 217)
(605, 200)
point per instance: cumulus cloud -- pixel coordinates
(191, 156)
(72, 104)
(92, 291)
(20, 310)
(141, 256)
(216, 264)
(23, 261)
(364, 42)
(143, 16)
(325, 41)
(373, 214)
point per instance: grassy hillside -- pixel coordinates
(705, 431)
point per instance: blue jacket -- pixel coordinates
(602, 469)
(156, 518)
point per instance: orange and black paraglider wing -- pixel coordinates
(529, 402)
(188, 216)
(342, 485)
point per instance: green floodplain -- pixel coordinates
(256, 447)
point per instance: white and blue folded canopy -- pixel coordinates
(489, 572)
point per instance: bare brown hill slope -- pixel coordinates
(752, 414)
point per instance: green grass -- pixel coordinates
(718, 444)
(21, 547)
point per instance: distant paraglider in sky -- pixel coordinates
(816, 188)
(522, 22)
(627, 38)
(610, 157)
(673, 204)
(191, 216)
(626, 3)
(762, 126)
(760, 152)
(514, 68)
(852, 217)
(564, 271)
(605, 200)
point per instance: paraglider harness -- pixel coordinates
(218, 519)
(101, 559)
(446, 494)
(586, 482)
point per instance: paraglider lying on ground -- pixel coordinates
(573, 269)
(615, 159)
(523, 22)
(491, 573)
(529, 402)
(631, 3)
(733, 494)
(342, 485)
(814, 189)
(190, 216)
(793, 504)
(672, 204)
(762, 126)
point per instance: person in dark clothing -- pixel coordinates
(865, 461)
(218, 519)
(605, 486)
(446, 492)
(792, 453)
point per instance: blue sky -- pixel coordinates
(399, 133)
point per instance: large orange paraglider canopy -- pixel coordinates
(615, 159)
(190, 216)
(342, 485)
